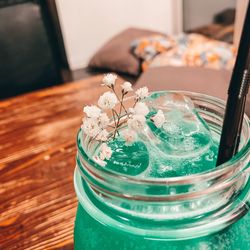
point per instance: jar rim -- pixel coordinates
(212, 173)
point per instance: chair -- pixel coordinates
(32, 53)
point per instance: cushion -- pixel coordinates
(202, 80)
(146, 48)
(116, 54)
(184, 50)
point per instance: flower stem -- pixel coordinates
(121, 101)
(136, 100)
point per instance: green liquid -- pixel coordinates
(181, 147)
(91, 235)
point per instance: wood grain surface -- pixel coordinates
(37, 160)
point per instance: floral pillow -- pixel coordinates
(147, 48)
(185, 50)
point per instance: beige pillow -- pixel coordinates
(197, 79)
(116, 54)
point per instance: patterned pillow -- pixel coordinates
(115, 55)
(147, 48)
(184, 50)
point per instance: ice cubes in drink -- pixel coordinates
(182, 146)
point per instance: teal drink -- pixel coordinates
(164, 186)
(90, 234)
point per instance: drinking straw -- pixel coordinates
(237, 92)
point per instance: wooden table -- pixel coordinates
(37, 160)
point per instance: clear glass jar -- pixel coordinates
(175, 208)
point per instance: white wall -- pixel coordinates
(87, 24)
(201, 12)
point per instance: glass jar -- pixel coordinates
(131, 213)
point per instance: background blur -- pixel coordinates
(44, 43)
(86, 24)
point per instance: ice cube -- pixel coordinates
(185, 133)
(182, 146)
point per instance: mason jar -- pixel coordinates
(117, 211)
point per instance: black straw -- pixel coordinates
(237, 92)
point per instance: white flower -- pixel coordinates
(92, 111)
(90, 127)
(129, 136)
(99, 161)
(136, 122)
(141, 93)
(127, 87)
(131, 111)
(106, 152)
(158, 119)
(109, 80)
(104, 120)
(102, 136)
(141, 109)
(107, 101)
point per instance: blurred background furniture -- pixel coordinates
(222, 27)
(32, 53)
(241, 7)
(214, 19)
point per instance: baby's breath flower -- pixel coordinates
(131, 111)
(90, 127)
(127, 87)
(92, 111)
(158, 119)
(99, 161)
(107, 101)
(141, 93)
(96, 123)
(109, 80)
(129, 136)
(136, 122)
(141, 109)
(102, 136)
(106, 152)
(104, 120)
